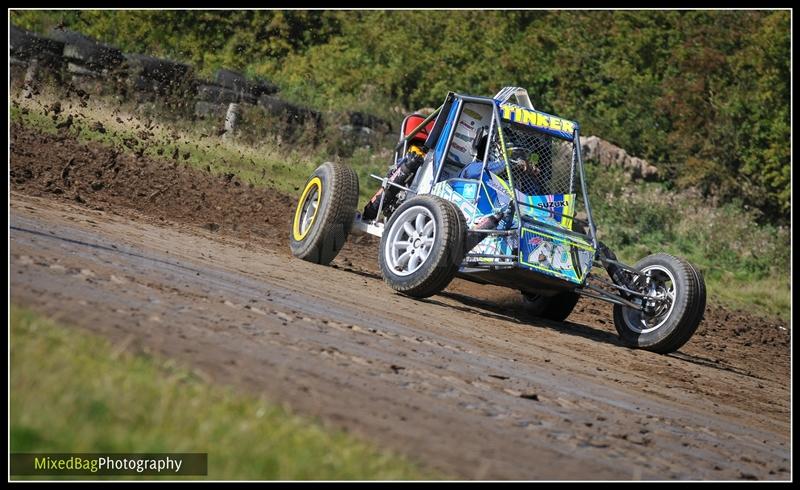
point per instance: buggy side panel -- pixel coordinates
(455, 147)
(462, 193)
(554, 209)
(561, 256)
(473, 119)
(444, 137)
(495, 245)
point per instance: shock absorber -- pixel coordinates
(400, 174)
(615, 272)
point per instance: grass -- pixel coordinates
(72, 391)
(746, 265)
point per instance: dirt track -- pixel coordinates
(463, 382)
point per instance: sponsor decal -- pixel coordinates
(463, 137)
(496, 186)
(535, 119)
(472, 114)
(459, 147)
(469, 190)
(534, 240)
(470, 126)
(551, 204)
(551, 256)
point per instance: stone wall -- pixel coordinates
(71, 58)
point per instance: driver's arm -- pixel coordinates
(473, 170)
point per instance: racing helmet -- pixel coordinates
(517, 154)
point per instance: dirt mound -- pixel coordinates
(742, 330)
(105, 178)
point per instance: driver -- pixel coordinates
(519, 159)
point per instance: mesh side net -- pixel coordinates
(540, 164)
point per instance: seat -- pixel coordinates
(410, 123)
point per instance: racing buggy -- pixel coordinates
(493, 191)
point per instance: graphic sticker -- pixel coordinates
(557, 256)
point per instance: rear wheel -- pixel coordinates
(677, 302)
(422, 246)
(324, 214)
(556, 308)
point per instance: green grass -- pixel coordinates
(72, 391)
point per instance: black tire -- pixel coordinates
(232, 80)
(274, 105)
(157, 69)
(701, 287)
(556, 308)
(82, 71)
(217, 95)
(322, 238)
(235, 81)
(368, 121)
(26, 45)
(680, 322)
(439, 267)
(208, 109)
(261, 87)
(87, 51)
(141, 84)
(288, 112)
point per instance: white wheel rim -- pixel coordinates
(661, 285)
(410, 241)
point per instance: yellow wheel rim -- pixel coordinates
(307, 208)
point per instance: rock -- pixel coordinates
(608, 154)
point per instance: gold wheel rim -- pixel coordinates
(307, 208)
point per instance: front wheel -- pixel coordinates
(675, 305)
(422, 246)
(324, 214)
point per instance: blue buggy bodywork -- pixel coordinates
(541, 237)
